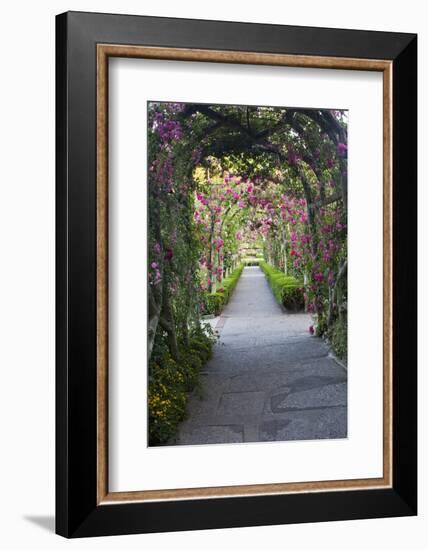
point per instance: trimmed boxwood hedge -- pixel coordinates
(288, 291)
(215, 301)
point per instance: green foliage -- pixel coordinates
(215, 301)
(170, 381)
(229, 283)
(211, 190)
(338, 337)
(166, 399)
(288, 291)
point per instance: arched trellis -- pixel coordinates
(308, 145)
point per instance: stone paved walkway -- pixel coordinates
(268, 380)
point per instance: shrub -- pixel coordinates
(229, 283)
(214, 302)
(338, 337)
(170, 381)
(202, 344)
(166, 399)
(252, 262)
(288, 291)
(292, 297)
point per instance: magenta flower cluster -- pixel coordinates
(168, 129)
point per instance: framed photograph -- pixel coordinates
(236, 274)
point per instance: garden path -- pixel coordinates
(268, 379)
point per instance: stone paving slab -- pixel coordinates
(323, 423)
(268, 379)
(213, 434)
(321, 396)
(241, 403)
(223, 418)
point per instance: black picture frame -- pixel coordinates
(77, 511)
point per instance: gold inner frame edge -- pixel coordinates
(104, 51)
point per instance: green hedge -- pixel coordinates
(214, 302)
(288, 291)
(171, 380)
(252, 262)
